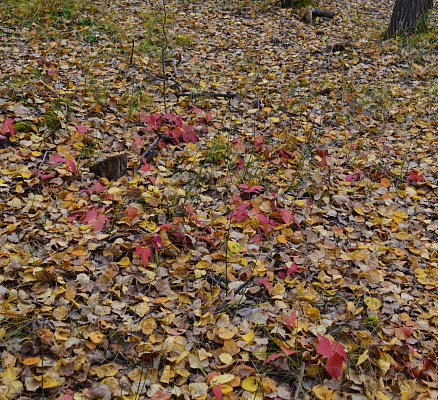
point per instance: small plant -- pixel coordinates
(183, 41)
(371, 321)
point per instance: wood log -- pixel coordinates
(316, 12)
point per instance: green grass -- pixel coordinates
(27, 12)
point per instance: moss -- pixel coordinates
(183, 41)
(23, 126)
(371, 320)
(52, 120)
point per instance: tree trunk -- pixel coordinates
(408, 16)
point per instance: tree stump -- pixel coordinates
(111, 166)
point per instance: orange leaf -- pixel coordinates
(281, 239)
(385, 182)
(31, 361)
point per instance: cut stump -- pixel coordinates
(111, 166)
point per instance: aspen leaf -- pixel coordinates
(96, 337)
(60, 313)
(248, 337)
(105, 370)
(225, 333)
(233, 247)
(222, 379)
(226, 358)
(372, 303)
(124, 262)
(322, 392)
(250, 384)
(363, 357)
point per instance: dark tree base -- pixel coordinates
(409, 17)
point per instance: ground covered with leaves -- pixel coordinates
(279, 242)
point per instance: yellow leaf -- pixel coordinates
(250, 384)
(60, 313)
(401, 236)
(400, 214)
(113, 190)
(48, 381)
(203, 84)
(281, 239)
(142, 308)
(363, 357)
(124, 262)
(133, 181)
(167, 374)
(322, 392)
(269, 385)
(198, 390)
(248, 337)
(382, 396)
(225, 333)
(275, 119)
(105, 370)
(233, 247)
(384, 366)
(226, 389)
(14, 203)
(222, 379)
(372, 303)
(226, 358)
(96, 337)
(277, 289)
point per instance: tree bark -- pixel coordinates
(408, 16)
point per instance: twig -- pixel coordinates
(163, 50)
(423, 212)
(44, 159)
(236, 292)
(206, 94)
(300, 380)
(146, 153)
(132, 52)
(149, 150)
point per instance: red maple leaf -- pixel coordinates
(7, 128)
(58, 158)
(291, 320)
(82, 129)
(96, 218)
(218, 391)
(334, 366)
(145, 253)
(415, 176)
(265, 282)
(335, 353)
(284, 352)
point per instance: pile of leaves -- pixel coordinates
(280, 244)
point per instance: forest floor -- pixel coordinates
(282, 244)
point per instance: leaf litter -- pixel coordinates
(281, 244)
